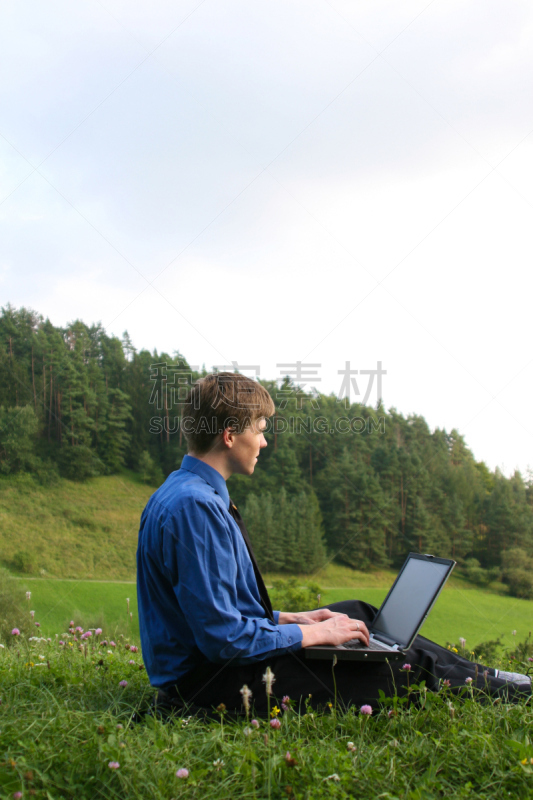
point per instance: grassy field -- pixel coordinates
(473, 614)
(73, 530)
(71, 728)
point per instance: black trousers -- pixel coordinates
(357, 683)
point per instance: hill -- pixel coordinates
(72, 530)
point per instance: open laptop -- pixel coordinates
(402, 613)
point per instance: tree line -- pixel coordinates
(339, 480)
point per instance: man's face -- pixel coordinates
(246, 448)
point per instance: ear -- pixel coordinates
(228, 437)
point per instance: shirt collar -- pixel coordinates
(209, 474)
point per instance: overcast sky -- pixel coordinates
(273, 182)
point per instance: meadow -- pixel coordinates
(73, 725)
(73, 721)
(460, 612)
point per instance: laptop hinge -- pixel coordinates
(386, 641)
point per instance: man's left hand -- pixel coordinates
(307, 617)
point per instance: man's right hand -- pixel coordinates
(336, 630)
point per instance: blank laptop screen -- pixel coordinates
(410, 599)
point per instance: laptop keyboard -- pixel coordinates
(356, 644)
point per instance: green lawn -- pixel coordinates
(90, 604)
(470, 613)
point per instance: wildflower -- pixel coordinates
(351, 747)
(141, 666)
(122, 745)
(17, 795)
(514, 633)
(451, 709)
(112, 644)
(254, 723)
(131, 662)
(182, 773)
(71, 630)
(333, 777)
(218, 763)
(455, 650)
(123, 684)
(268, 680)
(71, 623)
(246, 695)
(41, 658)
(15, 632)
(79, 629)
(28, 595)
(110, 652)
(286, 702)
(221, 708)
(32, 614)
(446, 682)
(462, 642)
(407, 667)
(366, 710)
(98, 631)
(275, 723)
(113, 765)
(485, 673)
(247, 731)
(275, 711)
(134, 649)
(291, 762)
(392, 713)
(318, 599)
(468, 680)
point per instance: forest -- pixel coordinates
(339, 480)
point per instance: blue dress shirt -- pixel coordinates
(197, 594)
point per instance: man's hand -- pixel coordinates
(307, 617)
(338, 629)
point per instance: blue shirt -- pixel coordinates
(197, 594)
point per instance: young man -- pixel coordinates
(207, 626)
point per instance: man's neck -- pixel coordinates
(215, 460)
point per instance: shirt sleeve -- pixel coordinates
(201, 559)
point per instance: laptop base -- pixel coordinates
(326, 653)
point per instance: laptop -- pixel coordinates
(402, 613)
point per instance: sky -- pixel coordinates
(327, 182)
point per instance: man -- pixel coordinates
(207, 626)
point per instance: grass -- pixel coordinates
(64, 719)
(72, 530)
(473, 614)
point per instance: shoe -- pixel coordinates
(512, 677)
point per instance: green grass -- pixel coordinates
(90, 604)
(64, 718)
(73, 530)
(473, 614)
